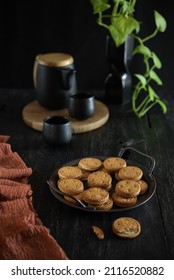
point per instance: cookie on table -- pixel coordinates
(72, 172)
(130, 173)
(105, 206)
(127, 188)
(90, 164)
(99, 179)
(70, 186)
(126, 227)
(95, 196)
(123, 201)
(99, 232)
(113, 164)
(143, 186)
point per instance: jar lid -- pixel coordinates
(55, 59)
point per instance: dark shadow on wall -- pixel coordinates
(29, 28)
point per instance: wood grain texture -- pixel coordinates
(33, 115)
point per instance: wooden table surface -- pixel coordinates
(72, 228)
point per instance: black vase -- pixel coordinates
(118, 83)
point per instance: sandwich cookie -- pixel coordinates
(126, 227)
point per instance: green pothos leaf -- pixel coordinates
(156, 61)
(122, 26)
(99, 6)
(142, 79)
(118, 40)
(152, 93)
(142, 50)
(160, 21)
(153, 75)
(127, 7)
(162, 104)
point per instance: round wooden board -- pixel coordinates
(33, 115)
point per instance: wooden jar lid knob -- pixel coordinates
(55, 59)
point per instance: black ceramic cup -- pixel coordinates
(81, 105)
(57, 130)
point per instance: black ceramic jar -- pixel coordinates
(54, 79)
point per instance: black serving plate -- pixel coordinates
(147, 176)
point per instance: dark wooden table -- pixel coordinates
(71, 227)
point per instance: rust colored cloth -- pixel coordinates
(22, 235)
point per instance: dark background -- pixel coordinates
(28, 28)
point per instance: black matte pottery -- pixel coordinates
(118, 83)
(54, 79)
(81, 105)
(57, 130)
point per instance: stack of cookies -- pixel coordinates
(70, 183)
(91, 181)
(129, 186)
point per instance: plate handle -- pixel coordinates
(152, 166)
(62, 193)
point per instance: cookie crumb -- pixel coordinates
(99, 232)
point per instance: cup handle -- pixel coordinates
(67, 76)
(35, 71)
(71, 74)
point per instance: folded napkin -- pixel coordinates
(22, 234)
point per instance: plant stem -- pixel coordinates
(99, 20)
(133, 3)
(150, 36)
(142, 103)
(145, 105)
(147, 109)
(134, 107)
(115, 8)
(137, 90)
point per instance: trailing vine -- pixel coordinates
(118, 18)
